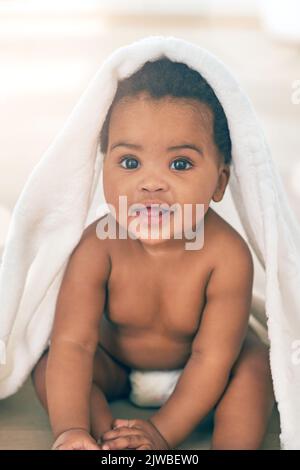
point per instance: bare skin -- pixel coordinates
(151, 304)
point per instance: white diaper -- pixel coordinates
(151, 388)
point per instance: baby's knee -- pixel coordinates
(258, 360)
(253, 358)
(38, 375)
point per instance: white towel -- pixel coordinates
(60, 199)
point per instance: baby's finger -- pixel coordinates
(119, 432)
(92, 446)
(118, 422)
(130, 442)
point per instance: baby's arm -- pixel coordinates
(75, 335)
(215, 347)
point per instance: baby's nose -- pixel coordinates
(153, 184)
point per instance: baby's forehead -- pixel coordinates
(144, 99)
(171, 110)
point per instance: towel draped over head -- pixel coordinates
(64, 194)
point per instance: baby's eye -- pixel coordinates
(180, 164)
(130, 163)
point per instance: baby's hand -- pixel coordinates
(135, 434)
(75, 439)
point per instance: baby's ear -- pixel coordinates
(217, 197)
(222, 184)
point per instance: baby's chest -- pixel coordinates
(169, 302)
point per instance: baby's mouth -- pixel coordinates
(151, 211)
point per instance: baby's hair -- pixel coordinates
(164, 77)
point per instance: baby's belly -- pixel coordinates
(144, 350)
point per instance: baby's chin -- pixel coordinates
(153, 232)
(151, 240)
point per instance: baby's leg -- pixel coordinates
(243, 411)
(110, 382)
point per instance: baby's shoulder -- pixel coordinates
(227, 243)
(233, 267)
(103, 238)
(90, 255)
(90, 235)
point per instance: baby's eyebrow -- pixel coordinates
(173, 147)
(186, 146)
(126, 144)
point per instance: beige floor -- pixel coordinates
(24, 423)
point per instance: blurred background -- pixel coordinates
(49, 50)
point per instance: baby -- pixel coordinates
(147, 302)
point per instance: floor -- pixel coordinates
(45, 75)
(24, 423)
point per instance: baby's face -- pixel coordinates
(162, 150)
